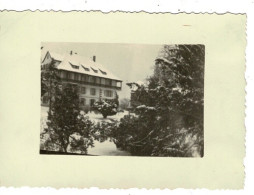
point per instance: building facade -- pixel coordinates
(93, 80)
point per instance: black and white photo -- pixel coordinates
(122, 99)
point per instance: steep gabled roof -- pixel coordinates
(56, 56)
(83, 65)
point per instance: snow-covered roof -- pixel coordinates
(56, 56)
(80, 64)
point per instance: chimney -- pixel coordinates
(70, 52)
(94, 58)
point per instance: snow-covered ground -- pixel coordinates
(105, 148)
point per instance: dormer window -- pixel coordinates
(103, 72)
(96, 71)
(74, 66)
(86, 69)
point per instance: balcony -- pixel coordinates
(91, 83)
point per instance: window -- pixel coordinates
(92, 91)
(96, 71)
(108, 93)
(92, 79)
(83, 90)
(74, 66)
(68, 75)
(98, 80)
(82, 101)
(76, 76)
(107, 81)
(103, 72)
(103, 81)
(86, 69)
(119, 84)
(83, 78)
(113, 83)
(92, 102)
(64, 74)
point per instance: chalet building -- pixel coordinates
(93, 80)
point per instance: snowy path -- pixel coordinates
(106, 148)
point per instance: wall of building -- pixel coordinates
(87, 96)
(89, 78)
(99, 92)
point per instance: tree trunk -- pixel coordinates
(64, 145)
(65, 148)
(50, 88)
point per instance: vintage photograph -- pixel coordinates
(105, 99)
(123, 100)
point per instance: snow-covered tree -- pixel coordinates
(179, 71)
(50, 80)
(67, 129)
(106, 107)
(169, 112)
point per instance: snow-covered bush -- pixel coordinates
(104, 130)
(106, 107)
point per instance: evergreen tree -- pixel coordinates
(116, 99)
(67, 129)
(169, 115)
(49, 81)
(179, 71)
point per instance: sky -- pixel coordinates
(129, 62)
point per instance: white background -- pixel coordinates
(173, 6)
